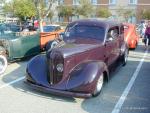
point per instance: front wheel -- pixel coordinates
(3, 64)
(99, 85)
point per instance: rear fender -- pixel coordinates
(124, 47)
(84, 77)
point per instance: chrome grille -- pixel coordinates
(54, 76)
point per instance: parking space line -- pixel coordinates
(12, 82)
(121, 100)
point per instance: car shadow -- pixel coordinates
(107, 99)
(19, 73)
(112, 90)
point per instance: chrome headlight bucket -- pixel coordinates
(60, 67)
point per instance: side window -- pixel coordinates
(109, 35)
(122, 29)
(113, 32)
(116, 32)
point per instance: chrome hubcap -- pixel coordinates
(126, 56)
(54, 44)
(3, 64)
(100, 83)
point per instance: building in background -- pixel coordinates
(142, 5)
(135, 7)
(114, 6)
(119, 8)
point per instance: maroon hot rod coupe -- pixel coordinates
(79, 64)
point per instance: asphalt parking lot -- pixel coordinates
(126, 92)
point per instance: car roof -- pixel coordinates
(96, 22)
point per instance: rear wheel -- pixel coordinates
(99, 85)
(135, 46)
(125, 57)
(3, 64)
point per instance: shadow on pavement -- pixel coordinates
(19, 72)
(105, 102)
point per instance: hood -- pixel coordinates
(75, 46)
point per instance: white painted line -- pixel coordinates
(12, 82)
(120, 102)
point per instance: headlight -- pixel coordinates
(60, 67)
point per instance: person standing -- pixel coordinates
(143, 28)
(147, 34)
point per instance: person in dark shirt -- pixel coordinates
(147, 34)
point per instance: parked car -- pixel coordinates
(130, 35)
(79, 64)
(51, 28)
(50, 32)
(16, 45)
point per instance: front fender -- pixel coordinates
(2, 51)
(37, 70)
(84, 77)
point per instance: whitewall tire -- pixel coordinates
(99, 85)
(3, 64)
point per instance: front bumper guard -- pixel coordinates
(57, 92)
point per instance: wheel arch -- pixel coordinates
(85, 80)
(106, 76)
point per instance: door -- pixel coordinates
(24, 46)
(112, 45)
(30, 45)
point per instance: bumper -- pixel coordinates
(58, 92)
(132, 45)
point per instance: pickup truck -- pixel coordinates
(17, 45)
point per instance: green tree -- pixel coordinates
(145, 14)
(29, 8)
(103, 12)
(50, 16)
(120, 11)
(20, 8)
(43, 9)
(66, 12)
(85, 8)
(125, 13)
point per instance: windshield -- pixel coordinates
(85, 31)
(49, 28)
